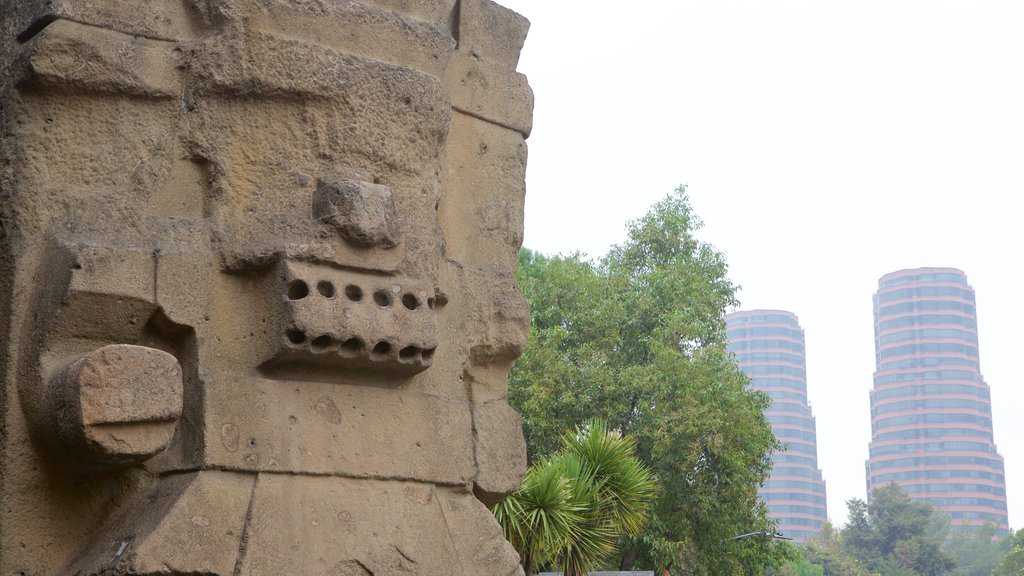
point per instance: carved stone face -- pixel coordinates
(262, 257)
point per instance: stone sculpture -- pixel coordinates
(257, 299)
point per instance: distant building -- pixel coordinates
(769, 345)
(931, 416)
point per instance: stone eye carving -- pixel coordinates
(364, 213)
(116, 406)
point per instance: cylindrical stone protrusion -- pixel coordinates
(116, 406)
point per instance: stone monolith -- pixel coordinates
(257, 297)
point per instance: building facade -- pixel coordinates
(931, 415)
(769, 346)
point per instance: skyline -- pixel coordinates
(769, 347)
(850, 140)
(931, 416)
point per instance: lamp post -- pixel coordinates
(771, 535)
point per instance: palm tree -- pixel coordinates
(572, 508)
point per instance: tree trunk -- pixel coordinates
(629, 557)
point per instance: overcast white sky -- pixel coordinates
(824, 144)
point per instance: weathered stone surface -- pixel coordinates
(482, 550)
(363, 212)
(67, 53)
(371, 527)
(257, 306)
(162, 20)
(394, 37)
(116, 406)
(188, 524)
(490, 91)
(491, 32)
(500, 328)
(485, 180)
(327, 429)
(500, 456)
(98, 269)
(340, 318)
(439, 13)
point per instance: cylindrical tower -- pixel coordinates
(769, 346)
(931, 416)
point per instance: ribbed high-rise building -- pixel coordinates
(769, 346)
(931, 416)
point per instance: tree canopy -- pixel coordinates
(897, 536)
(1012, 564)
(977, 551)
(638, 339)
(894, 536)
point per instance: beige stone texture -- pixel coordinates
(371, 527)
(257, 299)
(191, 523)
(492, 32)
(115, 406)
(363, 212)
(331, 429)
(98, 60)
(500, 457)
(485, 190)
(490, 91)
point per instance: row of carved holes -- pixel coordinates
(298, 289)
(353, 346)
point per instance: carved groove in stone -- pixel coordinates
(116, 406)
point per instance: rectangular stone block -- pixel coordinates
(500, 450)
(481, 214)
(490, 91)
(193, 524)
(491, 32)
(370, 32)
(72, 55)
(184, 286)
(438, 13)
(500, 326)
(277, 64)
(156, 19)
(486, 383)
(329, 429)
(360, 528)
(75, 169)
(113, 271)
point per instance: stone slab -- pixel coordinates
(491, 32)
(484, 175)
(95, 59)
(359, 528)
(490, 91)
(500, 453)
(317, 428)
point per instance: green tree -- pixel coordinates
(638, 339)
(977, 551)
(1012, 564)
(542, 516)
(827, 551)
(895, 536)
(572, 508)
(565, 371)
(801, 567)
